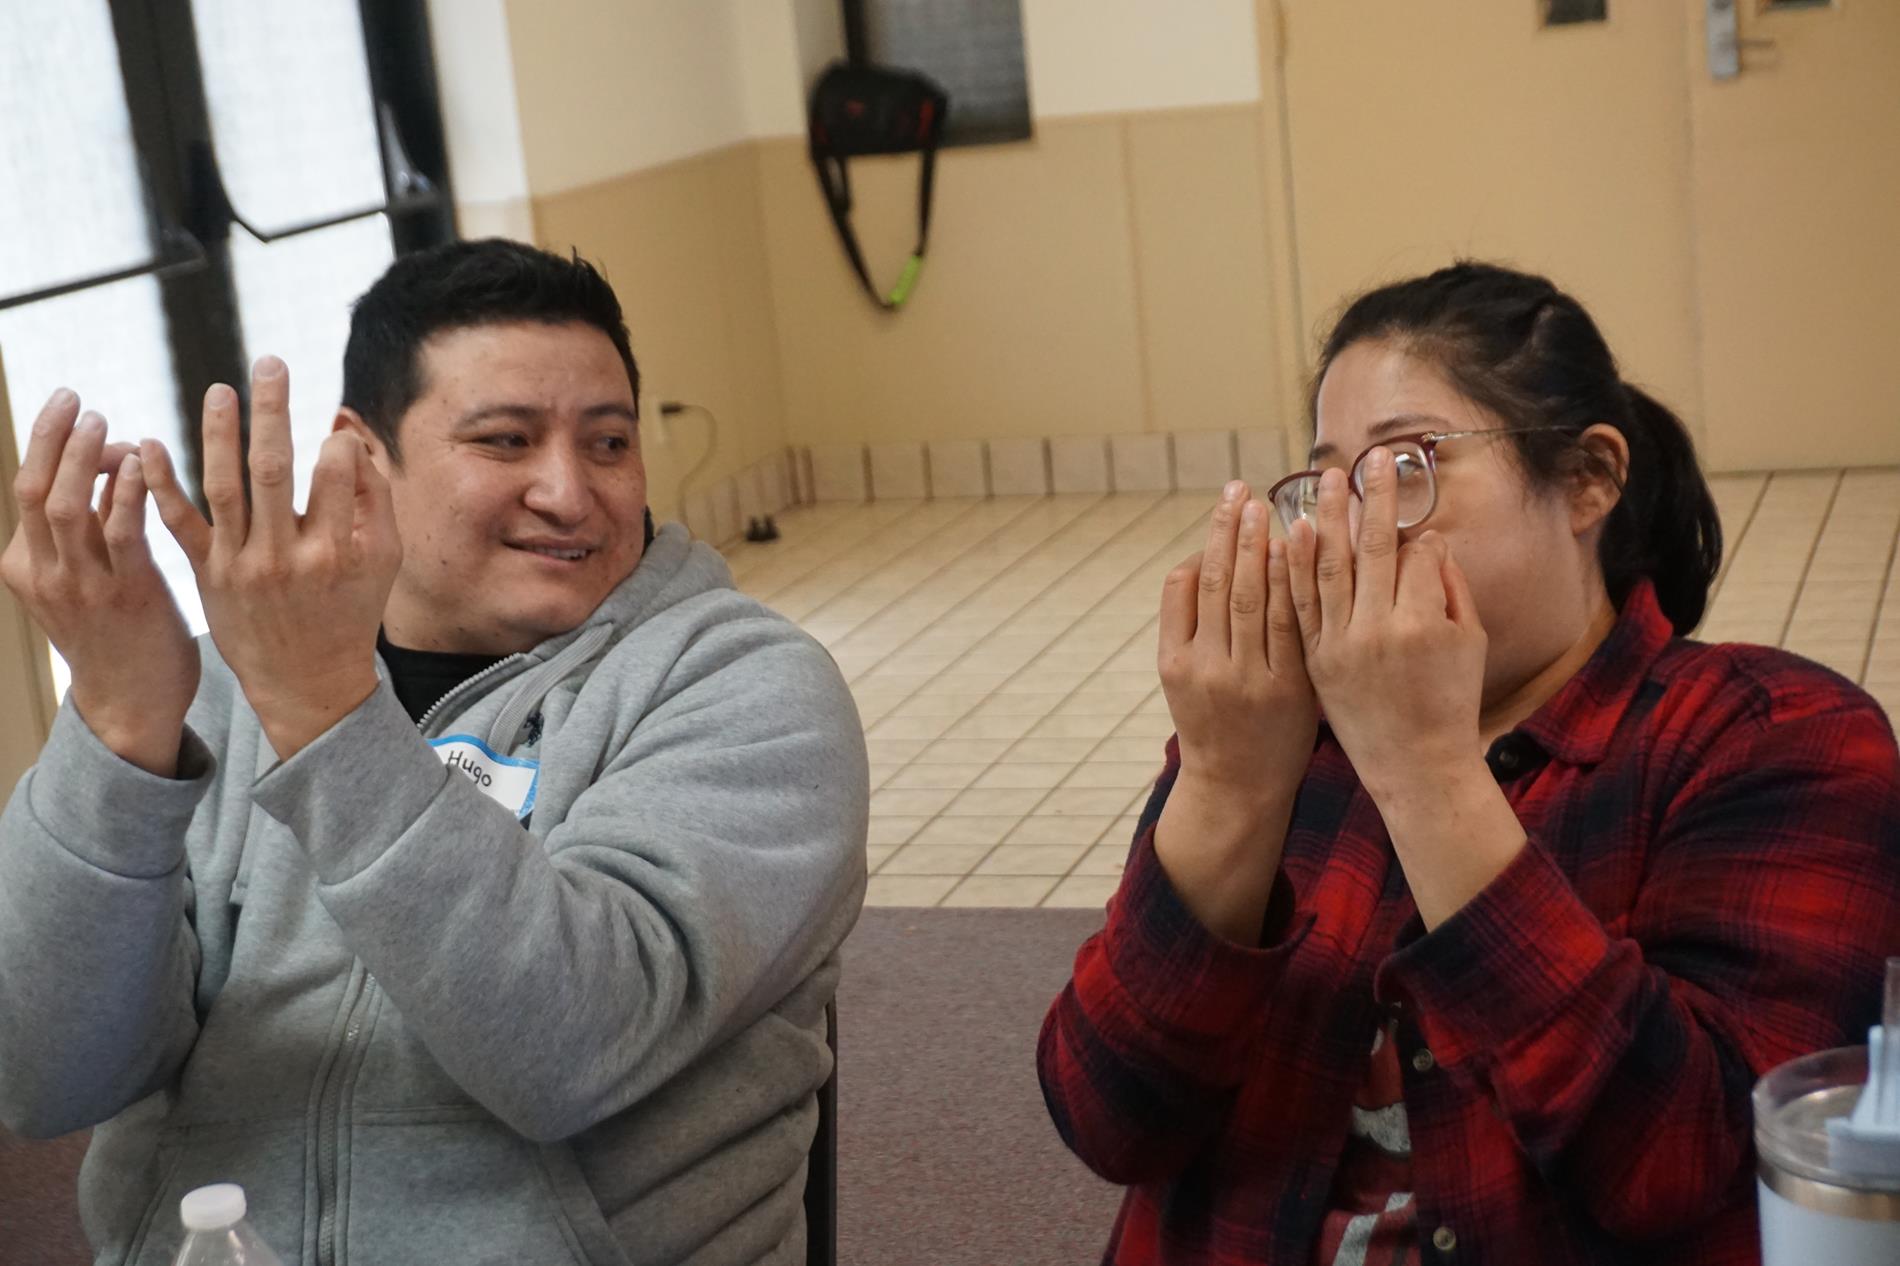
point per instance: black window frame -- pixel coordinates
(857, 45)
(191, 219)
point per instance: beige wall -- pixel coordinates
(683, 245)
(26, 691)
(1109, 276)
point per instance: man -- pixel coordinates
(508, 944)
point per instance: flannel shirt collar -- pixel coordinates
(1575, 725)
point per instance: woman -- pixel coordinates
(1482, 966)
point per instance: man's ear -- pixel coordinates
(348, 419)
(1598, 484)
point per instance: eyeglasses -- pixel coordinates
(1414, 460)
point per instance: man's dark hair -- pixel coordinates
(455, 286)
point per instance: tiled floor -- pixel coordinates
(1002, 655)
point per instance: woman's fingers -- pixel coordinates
(1332, 560)
(1217, 568)
(1302, 585)
(1376, 542)
(1286, 654)
(1179, 595)
(1247, 598)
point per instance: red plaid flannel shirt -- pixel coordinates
(1711, 885)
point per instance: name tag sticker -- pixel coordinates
(507, 780)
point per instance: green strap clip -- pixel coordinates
(906, 282)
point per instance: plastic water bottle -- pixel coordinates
(216, 1233)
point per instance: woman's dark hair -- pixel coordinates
(454, 286)
(1529, 353)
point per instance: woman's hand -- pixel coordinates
(1232, 665)
(1245, 719)
(1396, 653)
(1391, 635)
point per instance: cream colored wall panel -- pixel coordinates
(1797, 181)
(1024, 323)
(958, 468)
(897, 471)
(682, 246)
(1078, 463)
(1142, 463)
(1201, 258)
(1423, 133)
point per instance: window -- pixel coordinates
(212, 180)
(1566, 12)
(972, 48)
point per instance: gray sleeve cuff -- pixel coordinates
(350, 795)
(107, 811)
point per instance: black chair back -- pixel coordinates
(821, 1172)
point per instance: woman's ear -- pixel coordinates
(1598, 484)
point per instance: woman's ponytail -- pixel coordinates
(1665, 526)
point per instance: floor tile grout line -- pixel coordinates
(1082, 513)
(746, 561)
(1167, 550)
(872, 569)
(1157, 503)
(972, 548)
(1880, 606)
(1801, 586)
(847, 542)
(1734, 549)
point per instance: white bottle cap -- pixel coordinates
(212, 1208)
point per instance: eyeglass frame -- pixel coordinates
(1427, 441)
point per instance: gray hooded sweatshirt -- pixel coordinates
(418, 1026)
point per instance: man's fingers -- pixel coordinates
(1332, 559)
(68, 509)
(125, 521)
(1217, 566)
(273, 516)
(1247, 600)
(224, 473)
(1375, 557)
(175, 511)
(333, 491)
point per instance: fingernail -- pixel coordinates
(63, 397)
(1250, 515)
(1378, 459)
(1276, 548)
(220, 396)
(131, 467)
(1232, 491)
(90, 422)
(269, 367)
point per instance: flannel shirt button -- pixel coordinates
(1423, 1060)
(1444, 1239)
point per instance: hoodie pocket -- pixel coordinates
(467, 1190)
(266, 1160)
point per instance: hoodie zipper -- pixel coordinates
(330, 1099)
(330, 1116)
